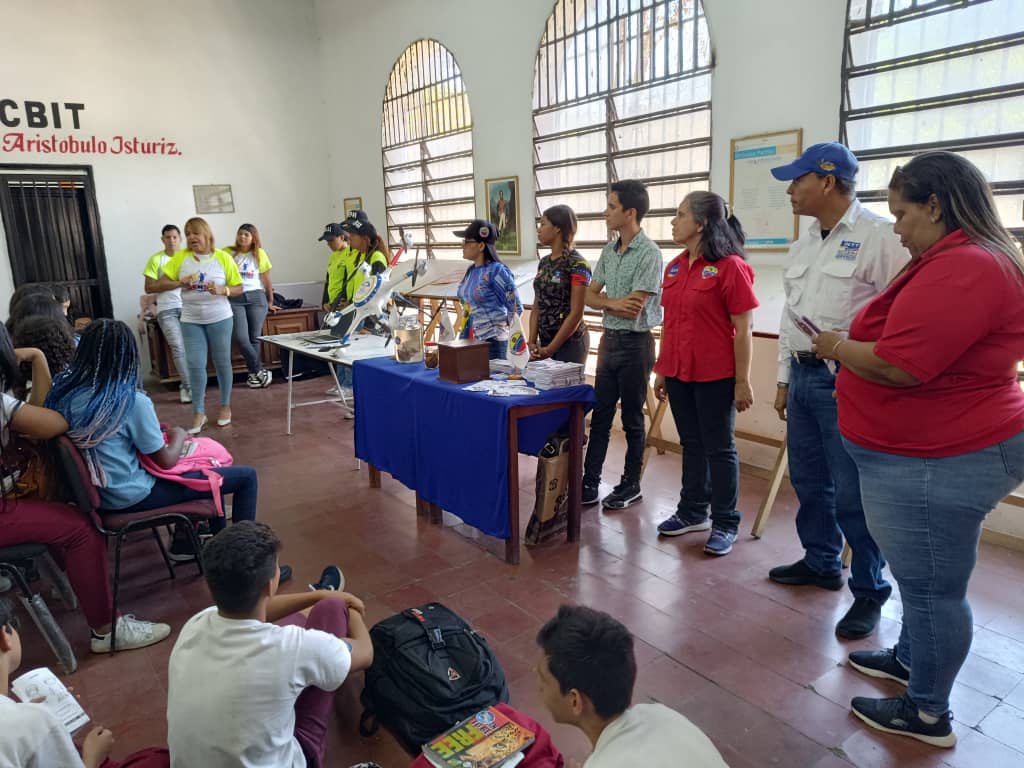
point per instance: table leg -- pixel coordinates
(421, 506)
(575, 471)
(291, 370)
(375, 477)
(512, 542)
(435, 513)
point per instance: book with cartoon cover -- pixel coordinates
(488, 739)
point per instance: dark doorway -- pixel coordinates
(53, 232)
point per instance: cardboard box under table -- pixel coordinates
(459, 450)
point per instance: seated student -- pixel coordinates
(111, 421)
(71, 538)
(34, 304)
(586, 673)
(33, 736)
(52, 336)
(274, 684)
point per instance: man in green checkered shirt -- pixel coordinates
(626, 286)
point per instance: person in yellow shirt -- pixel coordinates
(207, 277)
(251, 305)
(168, 305)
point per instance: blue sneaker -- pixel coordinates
(675, 526)
(719, 542)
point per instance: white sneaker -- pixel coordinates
(253, 381)
(132, 633)
(185, 395)
(349, 414)
(265, 377)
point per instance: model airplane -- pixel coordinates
(370, 300)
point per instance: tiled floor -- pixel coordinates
(756, 665)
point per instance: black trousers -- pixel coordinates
(624, 363)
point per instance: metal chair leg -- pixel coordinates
(51, 572)
(117, 588)
(37, 608)
(163, 552)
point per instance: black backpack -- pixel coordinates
(430, 670)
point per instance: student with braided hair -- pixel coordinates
(111, 422)
(68, 534)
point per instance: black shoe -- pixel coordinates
(882, 664)
(625, 494)
(800, 574)
(591, 493)
(331, 579)
(181, 549)
(861, 620)
(285, 575)
(900, 716)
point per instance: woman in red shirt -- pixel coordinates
(703, 369)
(931, 411)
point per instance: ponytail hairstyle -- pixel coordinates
(96, 393)
(256, 242)
(723, 236)
(964, 198)
(564, 219)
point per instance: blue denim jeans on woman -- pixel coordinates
(926, 516)
(214, 338)
(826, 484)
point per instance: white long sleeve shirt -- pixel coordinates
(829, 280)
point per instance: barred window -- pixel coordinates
(936, 74)
(622, 89)
(427, 145)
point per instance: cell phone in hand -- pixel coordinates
(804, 323)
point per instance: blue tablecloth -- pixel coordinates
(449, 445)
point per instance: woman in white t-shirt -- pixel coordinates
(168, 304)
(250, 307)
(207, 277)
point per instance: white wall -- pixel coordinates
(235, 83)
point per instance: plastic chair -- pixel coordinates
(117, 525)
(21, 555)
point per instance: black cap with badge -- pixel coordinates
(481, 231)
(331, 231)
(358, 223)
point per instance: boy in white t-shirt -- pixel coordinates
(31, 736)
(244, 692)
(586, 673)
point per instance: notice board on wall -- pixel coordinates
(760, 201)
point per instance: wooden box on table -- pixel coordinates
(464, 360)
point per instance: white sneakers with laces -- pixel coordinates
(132, 633)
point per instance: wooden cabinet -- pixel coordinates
(283, 321)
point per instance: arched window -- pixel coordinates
(427, 144)
(622, 89)
(936, 74)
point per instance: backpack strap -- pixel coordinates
(433, 632)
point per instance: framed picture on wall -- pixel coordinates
(761, 202)
(503, 210)
(213, 198)
(350, 204)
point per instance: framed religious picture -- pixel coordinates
(213, 198)
(350, 204)
(502, 197)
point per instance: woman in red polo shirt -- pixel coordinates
(931, 411)
(704, 365)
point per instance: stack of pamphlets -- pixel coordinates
(488, 739)
(552, 374)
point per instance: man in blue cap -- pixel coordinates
(846, 258)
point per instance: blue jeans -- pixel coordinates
(170, 324)
(624, 363)
(249, 310)
(705, 417)
(926, 515)
(215, 338)
(827, 485)
(239, 481)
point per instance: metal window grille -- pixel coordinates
(428, 149)
(622, 89)
(936, 74)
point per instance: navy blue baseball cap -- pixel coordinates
(481, 231)
(331, 231)
(830, 158)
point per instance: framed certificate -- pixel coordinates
(760, 201)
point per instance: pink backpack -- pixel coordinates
(198, 454)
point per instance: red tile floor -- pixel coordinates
(756, 665)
